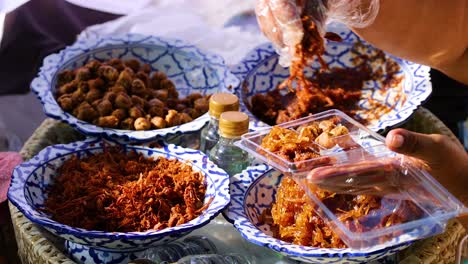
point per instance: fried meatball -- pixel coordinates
(104, 107)
(146, 68)
(93, 66)
(65, 77)
(117, 64)
(97, 83)
(326, 125)
(172, 118)
(121, 114)
(123, 101)
(128, 124)
(158, 122)
(86, 112)
(171, 103)
(160, 94)
(185, 118)
(110, 96)
(201, 105)
(194, 96)
(156, 79)
(156, 111)
(66, 102)
(170, 87)
(125, 79)
(118, 89)
(108, 73)
(156, 102)
(108, 121)
(136, 112)
(136, 100)
(142, 123)
(138, 87)
(68, 88)
(78, 96)
(180, 107)
(325, 140)
(133, 64)
(83, 86)
(191, 112)
(83, 74)
(143, 76)
(92, 95)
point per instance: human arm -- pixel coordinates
(432, 32)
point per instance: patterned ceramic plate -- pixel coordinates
(191, 70)
(253, 191)
(31, 178)
(260, 72)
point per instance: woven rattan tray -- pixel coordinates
(36, 246)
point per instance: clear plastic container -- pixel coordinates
(403, 202)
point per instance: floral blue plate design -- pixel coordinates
(253, 191)
(30, 180)
(191, 70)
(260, 72)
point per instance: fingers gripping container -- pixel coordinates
(370, 196)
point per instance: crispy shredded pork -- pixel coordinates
(116, 191)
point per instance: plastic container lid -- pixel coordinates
(370, 196)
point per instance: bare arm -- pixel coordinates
(430, 32)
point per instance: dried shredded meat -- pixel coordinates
(293, 216)
(328, 88)
(115, 191)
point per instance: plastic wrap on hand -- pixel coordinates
(281, 21)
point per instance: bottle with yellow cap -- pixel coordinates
(232, 125)
(219, 103)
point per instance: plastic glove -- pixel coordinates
(280, 20)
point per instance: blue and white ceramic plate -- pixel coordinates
(260, 72)
(191, 70)
(253, 191)
(31, 178)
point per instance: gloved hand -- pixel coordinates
(280, 20)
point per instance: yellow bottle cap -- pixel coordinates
(233, 124)
(222, 102)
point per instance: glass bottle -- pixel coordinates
(232, 125)
(174, 251)
(219, 103)
(215, 259)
